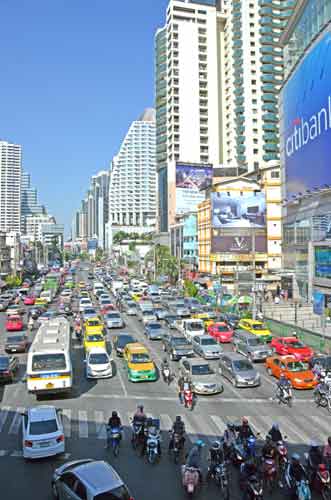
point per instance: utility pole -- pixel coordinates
(254, 272)
(154, 259)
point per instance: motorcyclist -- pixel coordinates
(177, 428)
(149, 426)
(181, 389)
(269, 449)
(327, 453)
(216, 456)
(229, 438)
(317, 369)
(194, 456)
(114, 422)
(248, 470)
(187, 386)
(315, 458)
(295, 471)
(275, 433)
(140, 415)
(283, 385)
(165, 366)
(244, 430)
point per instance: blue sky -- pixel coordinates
(74, 74)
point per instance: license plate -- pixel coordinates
(44, 445)
(251, 383)
(49, 385)
(14, 350)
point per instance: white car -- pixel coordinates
(98, 363)
(42, 432)
(83, 303)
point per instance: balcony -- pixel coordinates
(270, 107)
(269, 88)
(270, 136)
(239, 100)
(239, 109)
(271, 79)
(271, 147)
(269, 98)
(270, 127)
(270, 157)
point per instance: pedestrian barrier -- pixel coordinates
(314, 339)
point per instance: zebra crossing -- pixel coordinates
(85, 424)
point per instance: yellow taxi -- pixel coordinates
(256, 327)
(84, 294)
(205, 318)
(82, 284)
(136, 296)
(41, 302)
(93, 325)
(94, 340)
(140, 366)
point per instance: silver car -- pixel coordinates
(203, 378)
(206, 347)
(113, 319)
(131, 308)
(154, 330)
(250, 346)
(147, 316)
(238, 370)
(89, 479)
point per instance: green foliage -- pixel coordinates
(98, 254)
(13, 281)
(120, 236)
(190, 289)
(132, 246)
(165, 263)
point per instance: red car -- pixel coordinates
(293, 346)
(29, 300)
(14, 324)
(221, 332)
(107, 307)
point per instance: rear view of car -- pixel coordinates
(42, 432)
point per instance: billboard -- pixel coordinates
(191, 180)
(318, 303)
(92, 244)
(306, 123)
(323, 262)
(238, 244)
(238, 209)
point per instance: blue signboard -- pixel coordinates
(318, 303)
(306, 126)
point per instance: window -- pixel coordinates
(274, 174)
(69, 480)
(81, 490)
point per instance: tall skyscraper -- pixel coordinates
(10, 186)
(29, 200)
(132, 191)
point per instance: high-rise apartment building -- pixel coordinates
(29, 200)
(252, 77)
(187, 65)
(10, 186)
(132, 191)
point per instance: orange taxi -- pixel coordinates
(298, 372)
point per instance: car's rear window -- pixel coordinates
(43, 427)
(120, 493)
(4, 362)
(15, 338)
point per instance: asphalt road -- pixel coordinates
(87, 409)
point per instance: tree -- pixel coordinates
(13, 281)
(99, 254)
(165, 263)
(190, 289)
(120, 236)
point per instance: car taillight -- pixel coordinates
(28, 444)
(60, 439)
(6, 372)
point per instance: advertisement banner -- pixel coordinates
(323, 262)
(318, 303)
(238, 210)
(306, 125)
(238, 244)
(191, 180)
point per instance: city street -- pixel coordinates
(87, 409)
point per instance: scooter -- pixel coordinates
(285, 396)
(176, 445)
(188, 399)
(166, 375)
(190, 479)
(220, 475)
(282, 452)
(269, 473)
(115, 439)
(301, 488)
(321, 482)
(152, 445)
(137, 434)
(254, 489)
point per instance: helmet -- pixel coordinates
(282, 375)
(230, 426)
(275, 426)
(245, 421)
(296, 457)
(313, 444)
(216, 445)
(199, 443)
(114, 414)
(165, 360)
(178, 419)
(140, 407)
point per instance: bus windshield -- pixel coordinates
(47, 362)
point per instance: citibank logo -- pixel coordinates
(307, 130)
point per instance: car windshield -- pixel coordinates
(94, 338)
(171, 318)
(100, 358)
(201, 370)
(179, 341)
(194, 327)
(120, 493)
(148, 313)
(105, 301)
(113, 316)
(255, 341)
(4, 362)
(258, 326)
(131, 304)
(325, 362)
(89, 311)
(140, 357)
(94, 323)
(296, 344)
(223, 328)
(297, 366)
(43, 427)
(154, 326)
(241, 365)
(15, 338)
(208, 342)
(46, 362)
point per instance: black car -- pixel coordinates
(120, 341)
(232, 319)
(8, 368)
(17, 342)
(177, 346)
(35, 312)
(170, 320)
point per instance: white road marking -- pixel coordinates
(190, 432)
(3, 453)
(166, 422)
(82, 424)
(100, 425)
(219, 423)
(16, 453)
(118, 371)
(206, 429)
(16, 422)
(66, 421)
(324, 426)
(3, 416)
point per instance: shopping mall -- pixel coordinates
(305, 112)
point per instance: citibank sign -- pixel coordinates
(309, 129)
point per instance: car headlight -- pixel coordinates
(240, 379)
(298, 380)
(199, 387)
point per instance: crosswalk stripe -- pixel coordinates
(82, 424)
(190, 432)
(16, 422)
(3, 416)
(207, 433)
(321, 428)
(100, 425)
(293, 435)
(66, 422)
(307, 438)
(166, 422)
(219, 424)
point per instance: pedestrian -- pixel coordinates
(30, 324)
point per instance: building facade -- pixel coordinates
(34, 224)
(10, 186)
(29, 200)
(132, 193)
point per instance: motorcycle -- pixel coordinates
(137, 434)
(285, 396)
(282, 452)
(254, 488)
(220, 475)
(269, 472)
(152, 445)
(190, 479)
(176, 446)
(322, 396)
(321, 483)
(301, 488)
(114, 439)
(188, 399)
(166, 375)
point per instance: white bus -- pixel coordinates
(49, 368)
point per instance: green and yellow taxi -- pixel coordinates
(140, 366)
(258, 328)
(94, 340)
